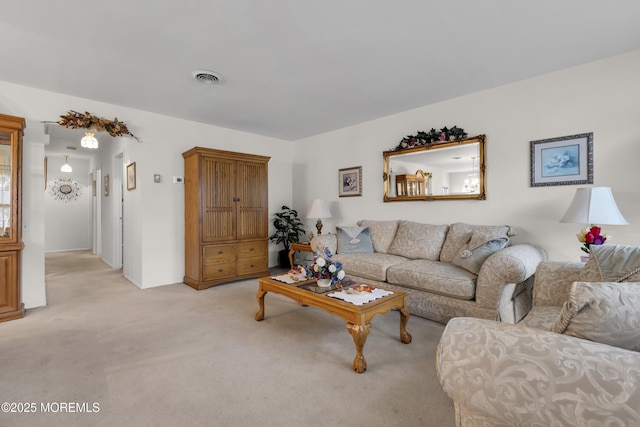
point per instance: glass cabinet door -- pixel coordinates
(5, 184)
(11, 129)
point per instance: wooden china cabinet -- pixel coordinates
(226, 216)
(11, 130)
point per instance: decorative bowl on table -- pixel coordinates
(324, 283)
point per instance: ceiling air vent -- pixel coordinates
(208, 77)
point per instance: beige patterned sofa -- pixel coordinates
(448, 270)
(573, 361)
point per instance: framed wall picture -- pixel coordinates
(350, 181)
(106, 185)
(566, 160)
(131, 176)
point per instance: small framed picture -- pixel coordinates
(106, 185)
(131, 176)
(566, 160)
(350, 181)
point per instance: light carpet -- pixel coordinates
(174, 356)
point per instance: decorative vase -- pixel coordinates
(324, 283)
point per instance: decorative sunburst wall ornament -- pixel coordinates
(65, 189)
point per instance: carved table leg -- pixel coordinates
(405, 336)
(359, 334)
(260, 296)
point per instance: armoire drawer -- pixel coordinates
(219, 253)
(252, 265)
(252, 249)
(219, 270)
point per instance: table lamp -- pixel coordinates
(319, 209)
(594, 205)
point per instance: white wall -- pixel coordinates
(67, 224)
(154, 229)
(601, 97)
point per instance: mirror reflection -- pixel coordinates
(443, 171)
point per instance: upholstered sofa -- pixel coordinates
(573, 361)
(447, 270)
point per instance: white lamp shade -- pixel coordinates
(89, 141)
(319, 209)
(66, 167)
(594, 205)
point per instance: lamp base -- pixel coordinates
(319, 226)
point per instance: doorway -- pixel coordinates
(118, 196)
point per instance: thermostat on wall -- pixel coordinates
(178, 180)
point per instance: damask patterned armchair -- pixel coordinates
(528, 375)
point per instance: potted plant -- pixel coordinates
(288, 229)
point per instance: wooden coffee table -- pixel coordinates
(358, 317)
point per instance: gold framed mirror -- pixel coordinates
(451, 170)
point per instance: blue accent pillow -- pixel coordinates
(472, 259)
(354, 240)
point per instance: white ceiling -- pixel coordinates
(296, 68)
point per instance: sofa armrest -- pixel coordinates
(500, 374)
(503, 270)
(553, 281)
(325, 241)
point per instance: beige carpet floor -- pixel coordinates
(173, 356)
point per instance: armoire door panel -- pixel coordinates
(218, 222)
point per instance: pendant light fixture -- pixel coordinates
(89, 141)
(66, 167)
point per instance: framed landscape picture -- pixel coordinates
(350, 181)
(131, 176)
(566, 160)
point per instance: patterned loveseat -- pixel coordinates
(447, 270)
(573, 361)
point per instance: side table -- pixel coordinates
(302, 246)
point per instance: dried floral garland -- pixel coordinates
(431, 137)
(75, 120)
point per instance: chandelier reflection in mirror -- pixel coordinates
(471, 184)
(65, 189)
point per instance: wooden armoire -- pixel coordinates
(226, 216)
(11, 129)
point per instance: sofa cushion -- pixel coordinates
(354, 240)
(605, 312)
(382, 233)
(471, 257)
(434, 276)
(460, 233)
(418, 241)
(541, 317)
(368, 266)
(612, 263)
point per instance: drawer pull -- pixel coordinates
(220, 252)
(220, 270)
